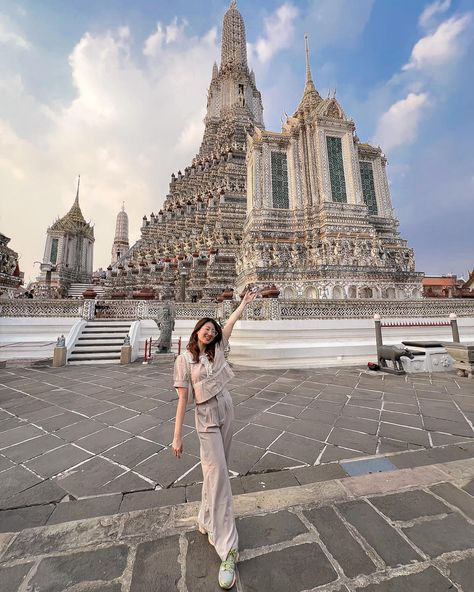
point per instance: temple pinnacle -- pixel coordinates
(76, 201)
(308, 67)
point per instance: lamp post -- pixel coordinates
(183, 274)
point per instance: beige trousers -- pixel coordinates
(216, 514)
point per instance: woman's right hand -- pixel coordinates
(177, 446)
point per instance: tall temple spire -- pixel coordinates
(310, 97)
(76, 201)
(309, 78)
(120, 245)
(234, 44)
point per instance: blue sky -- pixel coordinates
(116, 90)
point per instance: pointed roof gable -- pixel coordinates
(311, 98)
(74, 222)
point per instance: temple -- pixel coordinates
(68, 253)
(307, 209)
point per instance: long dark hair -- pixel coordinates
(193, 346)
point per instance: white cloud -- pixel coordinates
(399, 124)
(129, 126)
(440, 47)
(11, 37)
(279, 32)
(163, 35)
(431, 11)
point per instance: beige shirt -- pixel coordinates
(207, 378)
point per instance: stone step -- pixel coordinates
(93, 361)
(94, 356)
(97, 348)
(105, 331)
(83, 341)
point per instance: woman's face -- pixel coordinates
(206, 333)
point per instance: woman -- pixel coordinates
(203, 370)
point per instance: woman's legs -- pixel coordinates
(216, 514)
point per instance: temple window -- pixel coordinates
(54, 250)
(280, 196)
(368, 187)
(336, 169)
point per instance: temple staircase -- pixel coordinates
(100, 342)
(76, 290)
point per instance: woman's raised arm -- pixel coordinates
(235, 316)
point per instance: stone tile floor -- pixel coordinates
(101, 434)
(321, 538)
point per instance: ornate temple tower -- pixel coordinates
(68, 253)
(308, 209)
(120, 245)
(196, 234)
(320, 219)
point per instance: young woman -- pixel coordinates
(203, 370)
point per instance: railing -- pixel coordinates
(41, 308)
(261, 309)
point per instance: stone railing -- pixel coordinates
(261, 309)
(41, 308)
(364, 309)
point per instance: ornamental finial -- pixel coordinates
(76, 201)
(308, 67)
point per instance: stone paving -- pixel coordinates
(369, 533)
(96, 438)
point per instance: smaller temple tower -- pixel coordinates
(120, 245)
(68, 253)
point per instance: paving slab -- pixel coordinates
(202, 564)
(325, 472)
(89, 477)
(20, 518)
(297, 568)
(456, 497)
(452, 533)
(298, 447)
(429, 580)
(340, 542)
(55, 461)
(409, 505)
(132, 452)
(265, 481)
(462, 572)
(45, 492)
(257, 435)
(87, 508)
(33, 448)
(260, 531)
(386, 542)
(152, 499)
(15, 480)
(156, 566)
(11, 578)
(56, 574)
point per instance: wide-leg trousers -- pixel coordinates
(216, 514)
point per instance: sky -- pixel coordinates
(116, 91)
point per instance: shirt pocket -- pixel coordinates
(207, 416)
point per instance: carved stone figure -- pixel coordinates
(166, 327)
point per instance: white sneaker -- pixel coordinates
(227, 575)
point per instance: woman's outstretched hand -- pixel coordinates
(249, 297)
(177, 446)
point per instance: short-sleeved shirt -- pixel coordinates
(207, 378)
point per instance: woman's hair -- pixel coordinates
(193, 346)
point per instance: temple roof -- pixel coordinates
(74, 222)
(234, 44)
(311, 98)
